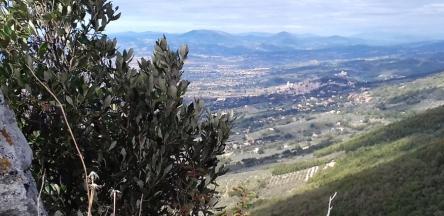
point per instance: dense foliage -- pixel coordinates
(133, 127)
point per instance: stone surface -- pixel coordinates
(18, 191)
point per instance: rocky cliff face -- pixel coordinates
(18, 191)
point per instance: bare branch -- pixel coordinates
(330, 207)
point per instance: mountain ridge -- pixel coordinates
(210, 42)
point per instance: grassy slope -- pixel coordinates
(395, 170)
(425, 123)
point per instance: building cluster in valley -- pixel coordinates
(231, 87)
(329, 97)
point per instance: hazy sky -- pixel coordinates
(324, 17)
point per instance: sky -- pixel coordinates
(321, 17)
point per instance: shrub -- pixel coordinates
(132, 125)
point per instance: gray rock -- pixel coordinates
(18, 191)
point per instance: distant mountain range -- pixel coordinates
(247, 42)
(208, 42)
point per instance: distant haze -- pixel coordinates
(364, 18)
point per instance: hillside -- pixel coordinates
(397, 169)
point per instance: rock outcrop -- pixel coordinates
(18, 191)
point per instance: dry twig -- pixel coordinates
(330, 207)
(71, 133)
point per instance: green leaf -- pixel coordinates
(140, 184)
(42, 49)
(32, 27)
(183, 52)
(123, 153)
(56, 188)
(130, 53)
(69, 100)
(107, 101)
(112, 146)
(47, 75)
(116, 17)
(60, 7)
(172, 91)
(7, 30)
(167, 170)
(163, 43)
(159, 133)
(29, 61)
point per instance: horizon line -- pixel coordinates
(363, 35)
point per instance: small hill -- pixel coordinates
(395, 170)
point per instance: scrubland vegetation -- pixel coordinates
(108, 139)
(394, 170)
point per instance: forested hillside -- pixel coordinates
(395, 170)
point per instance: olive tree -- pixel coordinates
(153, 152)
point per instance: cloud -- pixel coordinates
(308, 16)
(431, 9)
